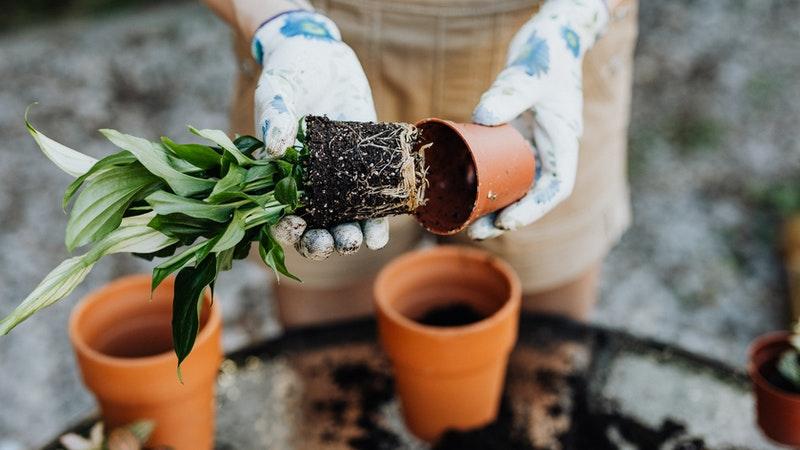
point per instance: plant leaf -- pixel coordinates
(231, 182)
(189, 286)
(117, 159)
(272, 254)
(156, 160)
(789, 367)
(232, 235)
(184, 227)
(247, 144)
(220, 138)
(198, 155)
(133, 235)
(70, 161)
(169, 266)
(286, 191)
(165, 203)
(101, 204)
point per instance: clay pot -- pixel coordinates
(448, 377)
(123, 344)
(474, 170)
(777, 411)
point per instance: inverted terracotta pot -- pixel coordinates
(123, 344)
(474, 170)
(447, 377)
(777, 411)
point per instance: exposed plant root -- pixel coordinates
(360, 170)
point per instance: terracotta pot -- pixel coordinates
(447, 377)
(777, 411)
(123, 344)
(473, 170)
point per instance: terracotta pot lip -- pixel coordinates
(512, 302)
(756, 346)
(126, 283)
(454, 126)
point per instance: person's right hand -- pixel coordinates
(307, 69)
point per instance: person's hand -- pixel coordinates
(540, 93)
(307, 69)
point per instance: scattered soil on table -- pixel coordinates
(451, 315)
(770, 372)
(452, 182)
(360, 170)
(590, 428)
(372, 388)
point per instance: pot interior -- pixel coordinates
(448, 291)
(452, 182)
(127, 324)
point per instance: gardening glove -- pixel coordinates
(307, 69)
(540, 93)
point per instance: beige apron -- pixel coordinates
(429, 58)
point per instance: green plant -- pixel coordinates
(789, 362)
(129, 437)
(199, 206)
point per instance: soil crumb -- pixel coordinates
(451, 315)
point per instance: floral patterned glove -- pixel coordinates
(540, 93)
(307, 69)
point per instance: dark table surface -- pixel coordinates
(569, 386)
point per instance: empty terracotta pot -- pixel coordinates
(777, 410)
(473, 170)
(123, 344)
(448, 376)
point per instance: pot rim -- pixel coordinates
(755, 375)
(512, 303)
(474, 205)
(126, 283)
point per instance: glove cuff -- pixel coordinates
(292, 24)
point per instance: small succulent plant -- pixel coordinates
(789, 363)
(129, 437)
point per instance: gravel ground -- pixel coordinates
(714, 146)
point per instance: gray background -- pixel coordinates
(714, 150)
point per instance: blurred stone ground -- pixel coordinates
(714, 148)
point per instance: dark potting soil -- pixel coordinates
(452, 183)
(451, 315)
(352, 168)
(771, 373)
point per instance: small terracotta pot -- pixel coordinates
(123, 344)
(777, 411)
(473, 170)
(448, 377)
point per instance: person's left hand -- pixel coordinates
(540, 93)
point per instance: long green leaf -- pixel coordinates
(184, 227)
(156, 160)
(101, 204)
(177, 262)
(117, 159)
(232, 182)
(272, 254)
(222, 139)
(232, 235)
(132, 236)
(70, 161)
(201, 156)
(189, 286)
(165, 203)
